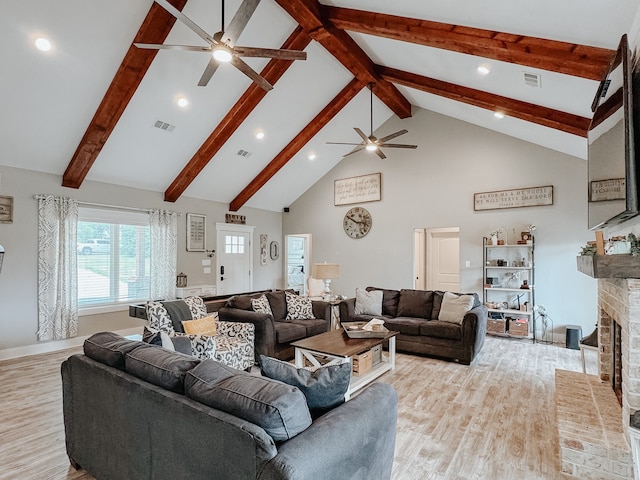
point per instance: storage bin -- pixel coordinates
(496, 325)
(361, 363)
(519, 327)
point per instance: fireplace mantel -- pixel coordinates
(609, 266)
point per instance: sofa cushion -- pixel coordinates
(159, 366)
(415, 303)
(298, 308)
(323, 387)
(280, 409)
(405, 325)
(278, 303)
(454, 307)
(109, 348)
(289, 332)
(201, 326)
(261, 305)
(440, 329)
(312, 327)
(437, 303)
(243, 302)
(368, 302)
(390, 299)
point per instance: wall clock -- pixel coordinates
(357, 222)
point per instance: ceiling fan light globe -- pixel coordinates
(222, 54)
(372, 147)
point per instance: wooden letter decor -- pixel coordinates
(365, 188)
(519, 197)
(234, 218)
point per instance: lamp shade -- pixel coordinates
(325, 271)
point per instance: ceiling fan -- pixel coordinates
(371, 143)
(221, 44)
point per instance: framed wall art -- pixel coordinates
(611, 189)
(515, 198)
(6, 209)
(196, 232)
(365, 188)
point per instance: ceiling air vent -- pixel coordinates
(532, 79)
(164, 126)
(243, 153)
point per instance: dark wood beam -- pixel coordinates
(299, 141)
(310, 15)
(272, 72)
(568, 58)
(154, 29)
(548, 117)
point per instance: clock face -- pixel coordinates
(357, 222)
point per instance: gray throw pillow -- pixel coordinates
(323, 387)
(415, 303)
(368, 303)
(454, 307)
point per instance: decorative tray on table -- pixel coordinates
(355, 330)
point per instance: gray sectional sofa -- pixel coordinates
(137, 411)
(415, 314)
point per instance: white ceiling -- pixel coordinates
(49, 98)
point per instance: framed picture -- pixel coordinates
(515, 198)
(196, 232)
(365, 188)
(611, 189)
(6, 209)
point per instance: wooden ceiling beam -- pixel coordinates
(563, 57)
(272, 72)
(310, 14)
(299, 141)
(565, 122)
(154, 29)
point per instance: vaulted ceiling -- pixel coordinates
(90, 108)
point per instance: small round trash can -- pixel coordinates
(574, 334)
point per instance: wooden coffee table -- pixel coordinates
(337, 347)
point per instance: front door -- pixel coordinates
(234, 259)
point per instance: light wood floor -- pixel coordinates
(495, 419)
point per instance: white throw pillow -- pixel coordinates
(454, 307)
(261, 305)
(368, 303)
(298, 308)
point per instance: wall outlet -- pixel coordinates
(206, 270)
(206, 263)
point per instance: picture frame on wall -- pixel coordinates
(6, 209)
(196, 232)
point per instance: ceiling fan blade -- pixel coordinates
(190, 48)
(355, 150)
(280, 54)
(396, 145)
(342, 143)
(380, 154)
(209, 70)
(251, 73)
(393, 135)
(240, 20)
(184, 19)
(361, 133)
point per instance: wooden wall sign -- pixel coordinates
(612, 189)
(234, 218)
(365, 188)
(6, 209)
(518, 197)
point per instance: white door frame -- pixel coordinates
(307, 257)
(234, 228)
(430, 232)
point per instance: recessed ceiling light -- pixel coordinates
(259, 135)
(311, 156)
(483, 70)
(498, 114)
(183, 102)
(43, 44)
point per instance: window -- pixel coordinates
(113, 257)
(234, 244)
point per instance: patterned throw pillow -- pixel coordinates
(159, 318)
(197, 307)
(261, 305)
(203, 326)
(298, 308)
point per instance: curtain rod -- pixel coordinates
(104, 205)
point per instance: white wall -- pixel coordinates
(18, 279)
(433, 186)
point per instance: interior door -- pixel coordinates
(298, 253)
(234, 259)
(443, 259)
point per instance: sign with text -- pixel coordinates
(518, 197)
(365, 188)
(612, 189)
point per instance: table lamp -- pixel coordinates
(326, 272)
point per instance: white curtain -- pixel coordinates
(164, 253)
(57, 268)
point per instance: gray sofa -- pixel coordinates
(137, 411)
(414, 313)
(274, 333)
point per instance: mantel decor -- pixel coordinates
(365, 188)
(196, 232)
(515, 198)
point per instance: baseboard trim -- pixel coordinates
(53, 346)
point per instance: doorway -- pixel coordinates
(298, 254)
(437, 259)
(234, 258)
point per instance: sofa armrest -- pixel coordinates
(347, 309)
(474, 327)
(265, 332)
(341, 450)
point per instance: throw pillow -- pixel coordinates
(159, 318)
(454, 307)
(415, 303)
(298, 308)
(156, 337)
(368, 303)
(196, 306)
(202, 326)
(261, 305)
(323, 387)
